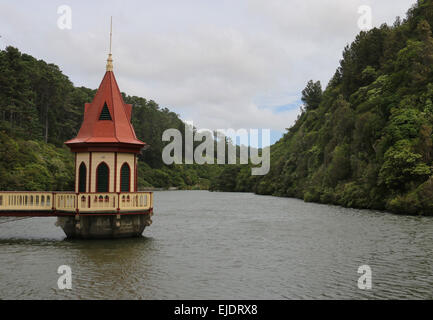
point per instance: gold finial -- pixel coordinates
(110, 59)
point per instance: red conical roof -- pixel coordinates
(115, 133)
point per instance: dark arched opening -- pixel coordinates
(82, 178)
(102, 177)
(125, 178)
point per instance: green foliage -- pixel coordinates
(34, 166)
(366, 141)
(339, 167)
(40, 109)
(227, 180)
(312, 95)
(402, 166)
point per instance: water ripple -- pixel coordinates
(227, 246)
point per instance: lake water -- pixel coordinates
(205, 245)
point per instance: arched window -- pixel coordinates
(125, 178)
(82, 178)
(102, 177)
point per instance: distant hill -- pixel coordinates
(366, 140)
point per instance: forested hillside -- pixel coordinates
(40, 109)
(366, 140)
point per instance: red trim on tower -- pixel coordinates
(115, 172)
(135, 173)
(105, 147)
(76, 173)
(90, 172)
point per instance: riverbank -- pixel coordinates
(325, 201)
(191, 188)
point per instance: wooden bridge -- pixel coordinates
(55, 204)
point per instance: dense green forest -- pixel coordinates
(366, 140)
(40, 108)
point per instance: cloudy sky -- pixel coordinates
(221, 64)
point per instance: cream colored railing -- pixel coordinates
(72, 202)
(135, 201)
(92, 202)
(65, 201)
(26, 201)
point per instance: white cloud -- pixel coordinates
(222, 64)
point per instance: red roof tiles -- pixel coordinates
(118, 131)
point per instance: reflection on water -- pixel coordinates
(206, 245)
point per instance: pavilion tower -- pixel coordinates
(106, 146)
(106, 203)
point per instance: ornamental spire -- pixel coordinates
(110, 59)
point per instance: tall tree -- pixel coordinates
(312, 95)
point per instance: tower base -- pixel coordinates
(104, 226)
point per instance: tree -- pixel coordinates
(312, 95)
(401, 166)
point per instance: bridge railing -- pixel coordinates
(92, 202)
(134, 201)
(65, 201)
(12, 201)
(70, 202)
